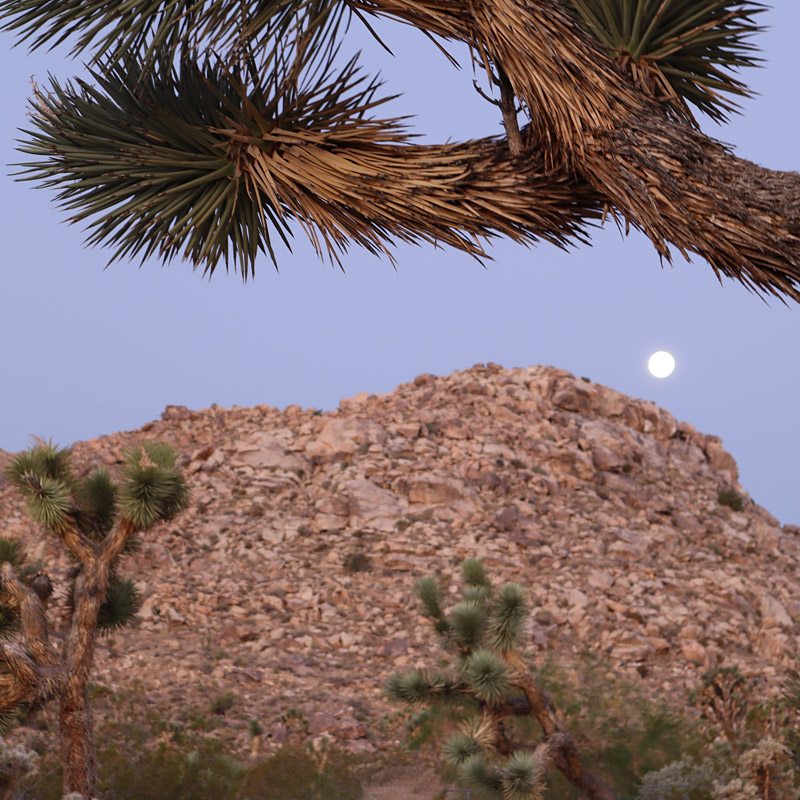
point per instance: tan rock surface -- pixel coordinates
(288, 582)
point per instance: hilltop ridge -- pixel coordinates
(288, 581)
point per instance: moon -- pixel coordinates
(661, 364)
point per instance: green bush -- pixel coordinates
(730, 498)
(295, 772)
(206, 772)
(621, 733)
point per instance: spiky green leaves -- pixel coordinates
(96, 496)
(178, 160)
(12, 552)
(421, 686)
(474, 573)
(430, 597)
(152, 489)
(48, 501)
(478, 773)
(508, 616)
(460, 748)
(487, 676)
(521, 778)
(481, 628)
(479, 615)
(122, 603)
(43, 476)
(116, 29)
(467, 623)
(43, 460)
(680, 51)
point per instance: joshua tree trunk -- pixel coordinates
(77, 727)
(559, 745)
(77, 742)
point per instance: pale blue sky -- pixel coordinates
(87, 351)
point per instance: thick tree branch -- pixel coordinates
(563, 752)
(508, 106)
(679, 187)
(34, 667)
(455, 195)
(33, 618)
(25, 681)
(114, 543)
(81, 547)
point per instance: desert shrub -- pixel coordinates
(205, 772)
(357, 561)
(296, 772)
(686, 779)
(141, 756)
(622, 733)
(730, 498)
(225, 702)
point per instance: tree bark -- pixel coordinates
(77, 725)
(561, 749)
(590, 121)
(78, 760)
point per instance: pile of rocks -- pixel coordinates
(288, 581)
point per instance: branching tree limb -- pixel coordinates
(665, 177)
(212, 159)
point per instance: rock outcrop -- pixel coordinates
(288, 582)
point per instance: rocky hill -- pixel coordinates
(288, 582)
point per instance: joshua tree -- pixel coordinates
(483, 632)
(170, 154)
(724, 697)
(791, 696)
(96, 521)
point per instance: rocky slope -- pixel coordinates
(288, 582)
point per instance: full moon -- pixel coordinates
(661, 364)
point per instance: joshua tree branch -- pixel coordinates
(678, 186)
(25, 681)
(32, 616)
(563, 752)
(114, 543)
(508, 105)
(83, 549)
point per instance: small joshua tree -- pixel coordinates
(483, 632)
(725, 697)
(96, 520)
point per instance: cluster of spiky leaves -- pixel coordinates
(483, 626)
(157, 27)
(151, 489)
(680, 51)
(163, 159)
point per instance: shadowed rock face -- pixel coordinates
(288, 582)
